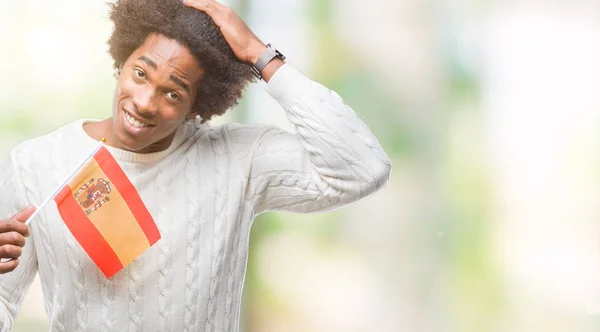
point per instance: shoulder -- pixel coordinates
(245, 134)
(238, 134)
(59, 139)
(240, 139)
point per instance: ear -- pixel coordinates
(193, 115)
(118, 72)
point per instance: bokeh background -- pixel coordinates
(490, 111)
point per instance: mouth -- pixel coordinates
(134, 125)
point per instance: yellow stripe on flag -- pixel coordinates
(114, 219)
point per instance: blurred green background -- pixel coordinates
(490, 111)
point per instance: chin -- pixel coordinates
(126, 142)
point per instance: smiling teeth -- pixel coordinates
(135, 122)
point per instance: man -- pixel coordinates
(178, 65)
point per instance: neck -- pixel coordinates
(101, 130)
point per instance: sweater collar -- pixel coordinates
(185, 131)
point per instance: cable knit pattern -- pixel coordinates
(78, 280)
(219, 227)
(135, 297)
(232, 250)
(73, 256)
(107, 295)
(203, 192)
(32, 179)
(165, 257)
(192, 235)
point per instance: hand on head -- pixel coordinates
(244, 43)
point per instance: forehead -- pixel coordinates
(168, 54)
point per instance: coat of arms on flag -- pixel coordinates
(93, 194)
(105, 213)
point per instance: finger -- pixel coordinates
(211, 7)
(8, 266)
(12, 238)
(17, 222)
(12, 225)
(24, 214)
(10, 251)
(216, 4)
(196, 4)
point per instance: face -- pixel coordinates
(155, 94)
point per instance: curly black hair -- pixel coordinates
(225, 77)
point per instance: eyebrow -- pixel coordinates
(172, 77)
(180, 82)
(149, 62)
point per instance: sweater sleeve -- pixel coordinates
(332, 161)
(13, 285)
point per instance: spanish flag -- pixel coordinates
(104, 212)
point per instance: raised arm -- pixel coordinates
(333, 160)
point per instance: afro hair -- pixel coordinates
(225, 76)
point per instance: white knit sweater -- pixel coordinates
(203, 192)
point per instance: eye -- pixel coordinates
(173, 95)
(139, 74)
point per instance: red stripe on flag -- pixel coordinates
(87, 234)
(117, 177)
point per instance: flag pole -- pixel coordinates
(59, 188)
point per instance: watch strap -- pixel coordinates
(266, 56)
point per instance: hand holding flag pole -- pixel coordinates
(104, 212)
(39, 208)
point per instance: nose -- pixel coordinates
(144, 100)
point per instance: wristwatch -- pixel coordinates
(267, 55)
